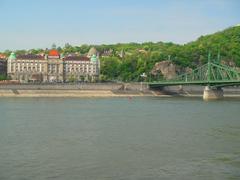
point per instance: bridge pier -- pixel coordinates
(211, 93)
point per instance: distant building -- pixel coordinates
(53, 67)
(107, 53)
(3, 65)
(122, 54)
(92, 51)
(2, 56)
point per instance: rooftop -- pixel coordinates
(53, 52)
(30, 56)
(2, 56)
(76, 58)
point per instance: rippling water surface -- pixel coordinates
(119, 138)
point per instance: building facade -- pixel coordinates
(53, 67)
(3, 65)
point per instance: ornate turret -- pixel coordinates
(94, 58)
(62, 56)
(53, 54)
(12, 56)
(92, 52)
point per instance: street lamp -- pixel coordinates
(143, 76)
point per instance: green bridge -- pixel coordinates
(213, 75)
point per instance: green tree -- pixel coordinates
(110, 68)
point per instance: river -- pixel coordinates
(119, 138)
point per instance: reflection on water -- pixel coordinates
(119, 138)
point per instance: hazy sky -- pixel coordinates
(40, 23)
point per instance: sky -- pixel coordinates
(27, 24)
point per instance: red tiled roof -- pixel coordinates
(53, 52)
(2, 56)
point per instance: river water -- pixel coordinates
(119, 138)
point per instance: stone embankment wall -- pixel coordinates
(193, 90)
(103, 90)
(75, 90)
(80, 86)
(56, 93)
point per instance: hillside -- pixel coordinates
(227, 42)
(127, 61)
(140, 58)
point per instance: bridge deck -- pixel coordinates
(219, 83)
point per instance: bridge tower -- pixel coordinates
(211, 92)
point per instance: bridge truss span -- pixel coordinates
(210, 74)
(213, 75)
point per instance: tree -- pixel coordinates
(110, 67)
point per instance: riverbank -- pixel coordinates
(71, 93)
(98, 93)
(75, 90)
(105, 90)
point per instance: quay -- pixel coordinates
(107, 90)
